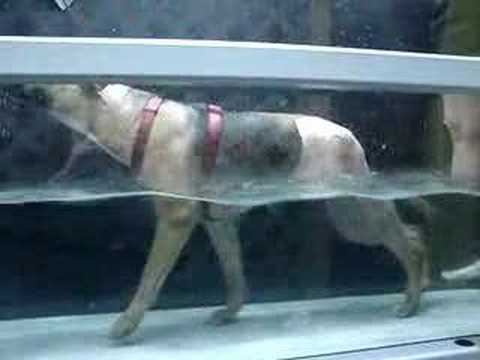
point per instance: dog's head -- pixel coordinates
(73, 105)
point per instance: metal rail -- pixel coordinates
(199, 62)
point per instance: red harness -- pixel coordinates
(212, 139)
(146, 120)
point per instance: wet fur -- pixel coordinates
(300, 147)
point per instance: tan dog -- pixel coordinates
(297, 147)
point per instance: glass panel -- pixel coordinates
(362, 202)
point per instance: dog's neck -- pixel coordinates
(107, 117)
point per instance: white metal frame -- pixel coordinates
(200, 62)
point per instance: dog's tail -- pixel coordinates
(467, 273)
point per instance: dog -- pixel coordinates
(185, 145)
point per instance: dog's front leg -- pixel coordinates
(224, 236)
(79, 149)
(176, 221)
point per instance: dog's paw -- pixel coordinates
(405, 309)
(222, 317)
(123, 326)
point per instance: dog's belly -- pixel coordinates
(219, 212)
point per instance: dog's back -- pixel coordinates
(255, 143)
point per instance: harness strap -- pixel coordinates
(215, 125)
(146, 119)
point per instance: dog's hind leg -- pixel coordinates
(412, 256)
(376, 222)
(224, 237)
(423, 217)
(372, 222)
(177, 219)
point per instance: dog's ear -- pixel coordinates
(91, 91)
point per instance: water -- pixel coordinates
(245, 191)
